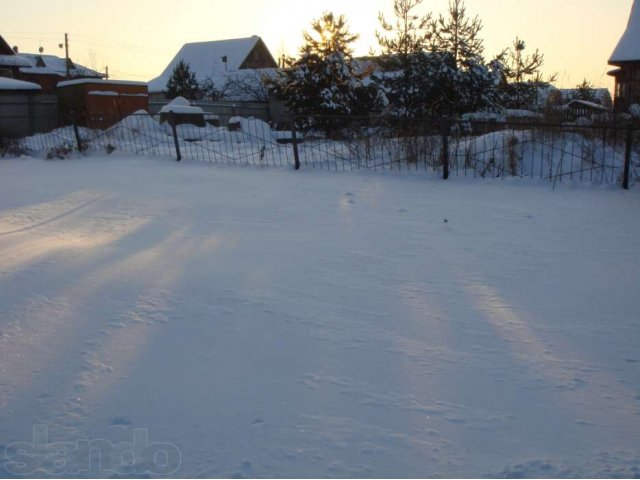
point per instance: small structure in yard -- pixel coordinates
(181, 112)
(97, 103)
(584, 109)
(626, 57)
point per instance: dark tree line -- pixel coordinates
(426, 67)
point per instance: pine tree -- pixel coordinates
(423, 76)
(459, 35)
(404, 51)
(522, 76)
(585, 91)
(322, 84)
(411, 34)
(519, 67)
(182, 82)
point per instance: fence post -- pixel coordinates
(76, 132)
(172, 122)
(294, 142)
(445, 129)
(627, 159)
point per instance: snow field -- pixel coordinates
(279, 323)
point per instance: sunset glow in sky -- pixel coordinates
(138, 39)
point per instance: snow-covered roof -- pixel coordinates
(602, 96)
(181, 105)
(52, 65)
(205, 59)
(11, 84)
(585, 104)
(628, 49)
(98, 81)
(13, 61)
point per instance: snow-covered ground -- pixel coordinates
(193, 320)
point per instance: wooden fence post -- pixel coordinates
(294, 142)
(76, 132)
(172, 121)
(627, 158)
(446, 131)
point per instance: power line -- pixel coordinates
(114, 44)
(86, 40)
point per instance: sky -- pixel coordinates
(137, 40)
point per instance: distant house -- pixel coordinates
(45, 70)
(626, 57)
(218, 61)
(10, 63)
(49, 70)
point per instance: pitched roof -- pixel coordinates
(52, 65)
(628, 48)
(8, 57)
(205, 59)
(5, 49)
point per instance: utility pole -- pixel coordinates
(66, 53)
(106, 77)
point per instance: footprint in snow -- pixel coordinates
(119, 422)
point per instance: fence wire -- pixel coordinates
(554, 152)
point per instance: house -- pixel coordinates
(49, 70)
(626, 57)
(10, 63)
(98, 103)
(45, 70)
(218, 61)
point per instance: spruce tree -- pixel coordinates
(182, 82)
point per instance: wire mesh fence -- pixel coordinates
(554, 152)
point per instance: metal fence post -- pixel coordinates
(446, 131)
(294, 142)
(172, 122)
(627, 158)
(76, 132)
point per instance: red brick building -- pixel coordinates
(98, 103)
